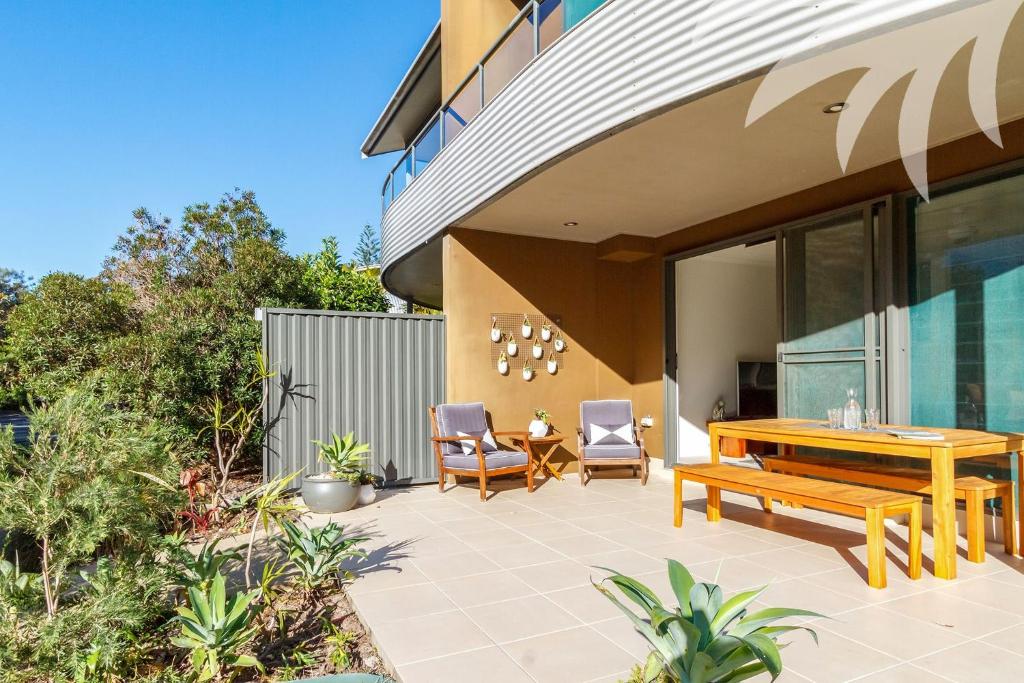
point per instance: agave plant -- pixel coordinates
(215, 629)
(707, 639)
(344, 455)
(317, 554)
(201, 569)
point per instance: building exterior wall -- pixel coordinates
(487, 273)
(613, 313)
(468, 29)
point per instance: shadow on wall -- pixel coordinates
(611, 317)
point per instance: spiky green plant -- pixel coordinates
(344, 455)
(707, 639)
(215, 628)
(317, 554)
(201, 569)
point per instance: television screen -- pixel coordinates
(757, 389)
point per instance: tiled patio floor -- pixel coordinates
(457, 590)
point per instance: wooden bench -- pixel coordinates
(974, 491)
(856, 501)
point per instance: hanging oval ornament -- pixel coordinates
(527, 328)
(527, 372)
(552, 365)
(503, 364)
(538, 350)
(512, 348)
(559, 343)
(545, 332)
(495, 332)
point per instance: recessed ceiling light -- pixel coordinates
(570, 224)
(835, 107)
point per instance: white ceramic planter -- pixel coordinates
(552, 367)
(559, 345)
(367, 494)
(503, 367)
(545, 334)
(495, 335)
(512, 348)
(527, 374)
(328, 495)
(538, 351)
(538, 428)
(527, 331)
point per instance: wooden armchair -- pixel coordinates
(464, 445)
(608, 435)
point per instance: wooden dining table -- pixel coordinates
(941, 453)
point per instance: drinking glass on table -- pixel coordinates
(871, 418)
(835, 418)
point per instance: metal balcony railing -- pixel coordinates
(536, 27)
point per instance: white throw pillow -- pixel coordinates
(609, 435)
(487, 444)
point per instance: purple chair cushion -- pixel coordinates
(452, 418)
(492, 461)
(618, 452)
(616, 413)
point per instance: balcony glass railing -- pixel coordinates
(536, 27)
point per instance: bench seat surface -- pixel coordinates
(785, 484)
(969, 483)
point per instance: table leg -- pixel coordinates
(943, 513)
(716, 444)
(677, 500)
(1020, 499)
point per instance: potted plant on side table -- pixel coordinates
(337, 489)
(541, 423)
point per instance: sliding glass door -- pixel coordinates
(966, 313)
(832, 335)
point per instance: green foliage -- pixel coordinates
(215, 629)
(61, 331)
(367, 253)
(18, 588)
(340, 643)
(707, 639)
(74, 486)
(334, 285)
(317, 554)
(105, 628)
(201, 569)
(269, 504)
(345, 456)
(13, 288)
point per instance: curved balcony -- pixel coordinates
(626, 63)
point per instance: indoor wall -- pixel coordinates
(726, 311)
(610, 313)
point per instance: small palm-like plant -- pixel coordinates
(215, 629)
(344, 455)
(317, 554)
(707, 639)
(200, 570)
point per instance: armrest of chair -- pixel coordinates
(521, 435)
(448, 439)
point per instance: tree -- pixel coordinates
(368, 249)
(196, 286)
(61, 331)
(340, 287)
(13, 287)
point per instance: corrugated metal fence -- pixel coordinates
(371, 373)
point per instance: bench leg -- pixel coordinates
(767, 504)
(876, 547)
(1009, 524)
(975, 504)
(714, 504)
(677, 500)
(914, 543)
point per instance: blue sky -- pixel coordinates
(107, 106)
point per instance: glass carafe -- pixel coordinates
(851, 412)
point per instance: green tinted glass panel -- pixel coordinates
(967, 308)
(576, 11)
(825, 265)
(813, 388)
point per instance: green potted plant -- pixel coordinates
(337, 489)
(368, 484)
(541, 423)
(707, 637)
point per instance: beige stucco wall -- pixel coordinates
(468, 29)
(604, 307)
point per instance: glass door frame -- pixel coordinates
(880, 314)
